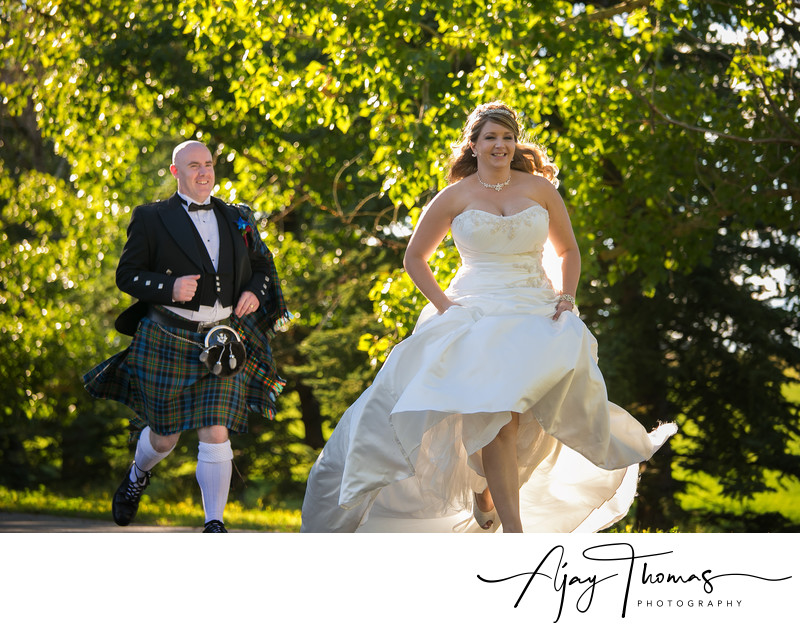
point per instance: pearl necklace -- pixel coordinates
(497, 187)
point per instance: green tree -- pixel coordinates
(674, 124)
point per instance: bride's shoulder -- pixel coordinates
(540, 188)
(535, 180)
(451, 200)
(454, 190)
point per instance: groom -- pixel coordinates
(193, 263)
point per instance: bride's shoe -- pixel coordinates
(485, 520)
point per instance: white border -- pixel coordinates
(382, 581)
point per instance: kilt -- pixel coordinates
(161, 379)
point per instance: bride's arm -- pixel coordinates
(563, 239)
(432, 227)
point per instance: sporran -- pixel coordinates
(224, 353)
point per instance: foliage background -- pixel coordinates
(675, 125)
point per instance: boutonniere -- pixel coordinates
(245, 228)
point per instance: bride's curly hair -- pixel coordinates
(528, 157)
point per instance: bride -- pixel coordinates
(493, 414)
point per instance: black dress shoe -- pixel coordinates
(215, 525)
(126, 499)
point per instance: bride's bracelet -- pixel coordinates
(568, 297)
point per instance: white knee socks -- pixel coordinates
(146, 457)
(214, 467)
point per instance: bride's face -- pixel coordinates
(495, 145)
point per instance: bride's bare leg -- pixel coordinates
(484, 500)
(502, 475)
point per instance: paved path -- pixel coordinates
(24, 522)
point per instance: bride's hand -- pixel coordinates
(447, 306)
(561, 307)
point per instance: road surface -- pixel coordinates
(27, 522)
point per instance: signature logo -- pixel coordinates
(552, 569)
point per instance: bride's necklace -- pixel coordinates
(497, 187)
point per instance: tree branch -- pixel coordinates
(753, 141)
(610, 12)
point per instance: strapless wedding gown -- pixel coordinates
(405, 457)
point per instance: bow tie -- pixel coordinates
(193, 207)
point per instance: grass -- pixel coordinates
(151, 512)
(704, 496)
(704, 492)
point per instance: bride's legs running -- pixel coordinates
(502, 475)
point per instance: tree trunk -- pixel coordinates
(312, 416)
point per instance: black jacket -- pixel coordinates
(163, 245)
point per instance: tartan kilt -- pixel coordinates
(162, 380)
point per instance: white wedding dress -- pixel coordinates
(405, 457)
